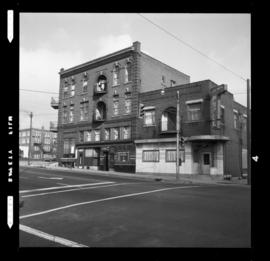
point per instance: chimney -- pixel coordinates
(137, 46)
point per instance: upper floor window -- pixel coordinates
(127, 106)
(222, 114)
(71, 113)
(87, 136)
(69, 146)
(72, 90)
(81, 139)
(84, 108)
(101, 84)
(97, 135)
(149, 117)
(106, 134)
(65, 91)
(235, 119)
(115, 108)
(244, 122)
(194, 111)
(115, 133)
(173, 83)
(116, 75)
(126, 131)
(128, 72)
(65, 115)
(163, 79)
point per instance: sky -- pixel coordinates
(51, 41)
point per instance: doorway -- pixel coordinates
(80, 157)
(205, 162)
(106, 160)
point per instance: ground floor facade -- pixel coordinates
(199, 155)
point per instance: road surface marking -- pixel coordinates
(55, 192)
(55, 239)
(63, 184)
(68, 186)
(104, 199)
(51, 178)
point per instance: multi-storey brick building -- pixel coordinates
(213, 126)
(43, 143)
(98, 107)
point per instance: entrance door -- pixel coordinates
(206, 160)
(106, 160)
(80, 158)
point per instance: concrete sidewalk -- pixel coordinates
(162, 177)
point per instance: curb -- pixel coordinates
(159, 178)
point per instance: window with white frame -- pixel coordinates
(72, 90)
(115, 108)
(194, 111)
(126, 131)
(65, 91)
(149, 118)
(97, 135)
(87, 135)
(128, 72)
(127, 106)
(71, 113)
(236, 119)
(150, 156)
(116, 75)
(115, 133)
(106, 134)
(170, 155)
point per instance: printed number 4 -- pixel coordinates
(255, 158)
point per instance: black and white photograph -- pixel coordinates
(134, 130)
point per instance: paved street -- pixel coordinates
(79, 209)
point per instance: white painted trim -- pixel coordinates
(49, 237)
(149, 108)
(194, 101)
(234, 110)
(104, 199)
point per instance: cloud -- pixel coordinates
(111, 43)
(39, 71)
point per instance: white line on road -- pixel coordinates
(63, 184)
(68, 186)
(68, 190)
(104, 199)
(55, 239)
(51, 178)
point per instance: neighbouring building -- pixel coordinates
(43, 144)
(213, 127)
(98, 107)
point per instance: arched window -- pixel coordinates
(100, 112)
(101, 84)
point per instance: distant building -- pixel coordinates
(43, 144)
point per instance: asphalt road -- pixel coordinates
(76, 209)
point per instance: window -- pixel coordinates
(65, 115)
(66, 146)
(173, 83)
(236, 120)
(85, 81)
(163, 79)
(149, 117)
(97, 135)
(164, 121)
(244, 123)
(90, 153)
(115, 108)
(150, 155)
(72, 90)
(87, 136)
(194, 111)
(81, 139)
(128, 72)
(65, 91)
(222, 115)
(128, 106)
(171, 155)
(116, 75)
(106, 134)
(115, 133)
(84, 107)
(123, 156)
(71, 113)
(126, 132)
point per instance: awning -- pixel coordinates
(207, 138)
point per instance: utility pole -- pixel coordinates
(30, 139)
(177, 137)
(248, 134)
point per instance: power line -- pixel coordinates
(27, 90)
(193, 48)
